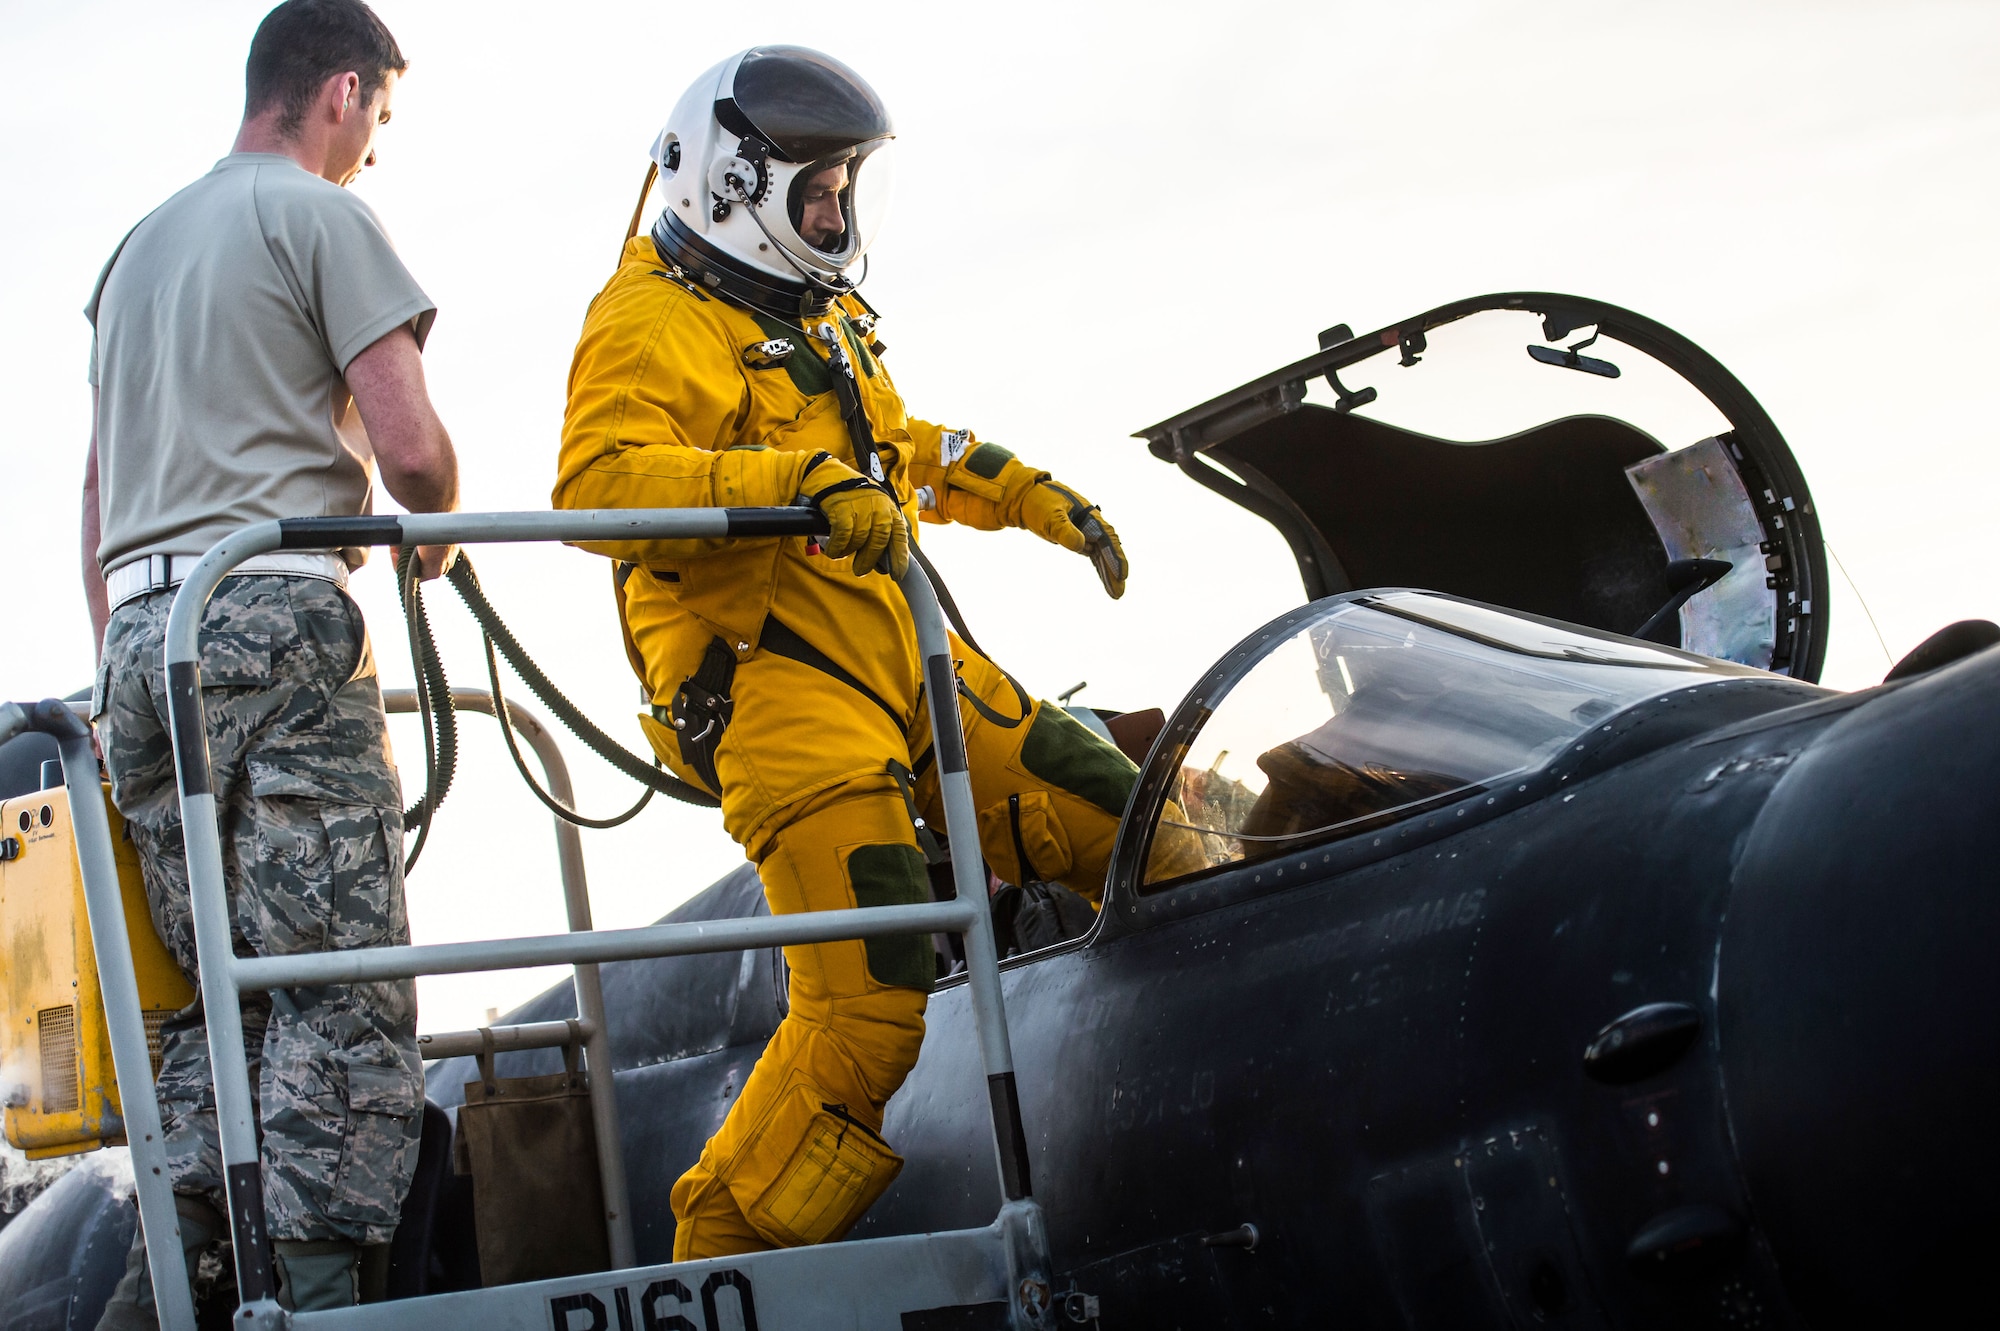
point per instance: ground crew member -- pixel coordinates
(729, 361)
(257, 343)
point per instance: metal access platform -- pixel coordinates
(992, 1277)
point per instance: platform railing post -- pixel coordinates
(208, 893)
(589, 987)
(588, 984)
(968, 870)
(124, 1019)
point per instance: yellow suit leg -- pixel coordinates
(799, 1157)
(1065, 784)
(803, 768)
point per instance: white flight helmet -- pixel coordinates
(736, 161)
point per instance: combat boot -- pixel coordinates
(317, 1274)
(131, 1306)
(331, 1273)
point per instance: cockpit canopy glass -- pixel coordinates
(1386, 705)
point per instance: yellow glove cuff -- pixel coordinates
(989, 472)
(863, 518)
(752, 476)
(819, 471)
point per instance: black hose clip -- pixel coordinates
(702, 709)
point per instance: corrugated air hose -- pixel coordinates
(434, 697)
(440, 722)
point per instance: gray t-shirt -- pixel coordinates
(224, 324)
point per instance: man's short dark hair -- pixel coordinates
(303, 43)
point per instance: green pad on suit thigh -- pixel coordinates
(1061, 751)
(894, 875)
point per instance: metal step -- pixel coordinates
(966, 1280)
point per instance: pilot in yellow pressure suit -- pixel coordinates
(729, 362)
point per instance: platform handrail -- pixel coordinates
(364, 964)
(588, 987)
(225, 976)
(504, 1039)
(118, 982)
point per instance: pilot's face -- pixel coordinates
(820, 222)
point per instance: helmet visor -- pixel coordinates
(836, 204)
(804, 104)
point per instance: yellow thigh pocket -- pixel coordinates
(1026, 826)
(826, 1169)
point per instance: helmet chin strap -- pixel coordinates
(812, 279)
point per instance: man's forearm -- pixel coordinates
(419, 467)
(432, 486)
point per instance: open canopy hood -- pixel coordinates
(1543, 452)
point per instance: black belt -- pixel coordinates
(703, 708)
(784, 642)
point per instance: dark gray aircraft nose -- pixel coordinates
(1858, 991)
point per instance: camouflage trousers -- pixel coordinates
(311, 827)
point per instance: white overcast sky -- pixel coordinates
(1105, 213)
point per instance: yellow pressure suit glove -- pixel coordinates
(1059, 514)
(989, 488)
(864, 519)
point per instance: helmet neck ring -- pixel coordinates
(781, 298)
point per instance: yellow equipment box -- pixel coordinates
(55, 1054)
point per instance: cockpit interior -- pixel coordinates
(1384, 705)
